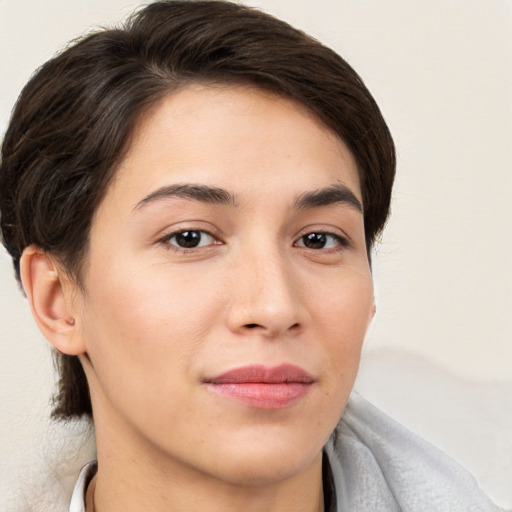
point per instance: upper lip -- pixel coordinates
(280, 374)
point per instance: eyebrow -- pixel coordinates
(203, 193)
(327, 196)
(215, 195)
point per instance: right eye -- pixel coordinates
(190, 239)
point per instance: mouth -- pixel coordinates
(263, 387)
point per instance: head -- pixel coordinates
(84, 114)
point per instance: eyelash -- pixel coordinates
(315, 235)
(168, 238)
(340, 241)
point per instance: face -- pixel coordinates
(227, 287)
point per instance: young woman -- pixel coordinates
(190, 203)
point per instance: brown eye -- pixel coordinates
(315, 240)
(321, 240)
(191, 239)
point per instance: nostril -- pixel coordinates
(293, 327)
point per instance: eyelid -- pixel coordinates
(166, 237)
(342, 242)
(331, 230)
(209, 236)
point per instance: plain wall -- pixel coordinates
(441, 70)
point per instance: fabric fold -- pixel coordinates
(380, 466)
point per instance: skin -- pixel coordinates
(155, 319)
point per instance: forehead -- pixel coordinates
(237, 137)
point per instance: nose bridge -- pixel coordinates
(265, 298)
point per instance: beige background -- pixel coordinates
(439, 355)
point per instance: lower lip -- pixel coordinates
(262, 395)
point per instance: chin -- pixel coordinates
(262, 463)
(266, 471)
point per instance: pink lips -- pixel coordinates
(263, 387)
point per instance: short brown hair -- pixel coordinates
(74, 118)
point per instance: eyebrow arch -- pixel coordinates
(203, 193)
(327, 196)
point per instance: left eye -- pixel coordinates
(320, 240)
(191, 239)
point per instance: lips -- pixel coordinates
(263, 387)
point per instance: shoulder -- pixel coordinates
(379, 465)
(46, 482)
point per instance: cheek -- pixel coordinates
(344, 312)
(146, 326)
(144, 336)
(156, 301)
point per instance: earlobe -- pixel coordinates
(49, 293)
(373, 310)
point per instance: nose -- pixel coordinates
(265, 297)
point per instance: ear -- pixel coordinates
(51, 295)
(371, 316)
